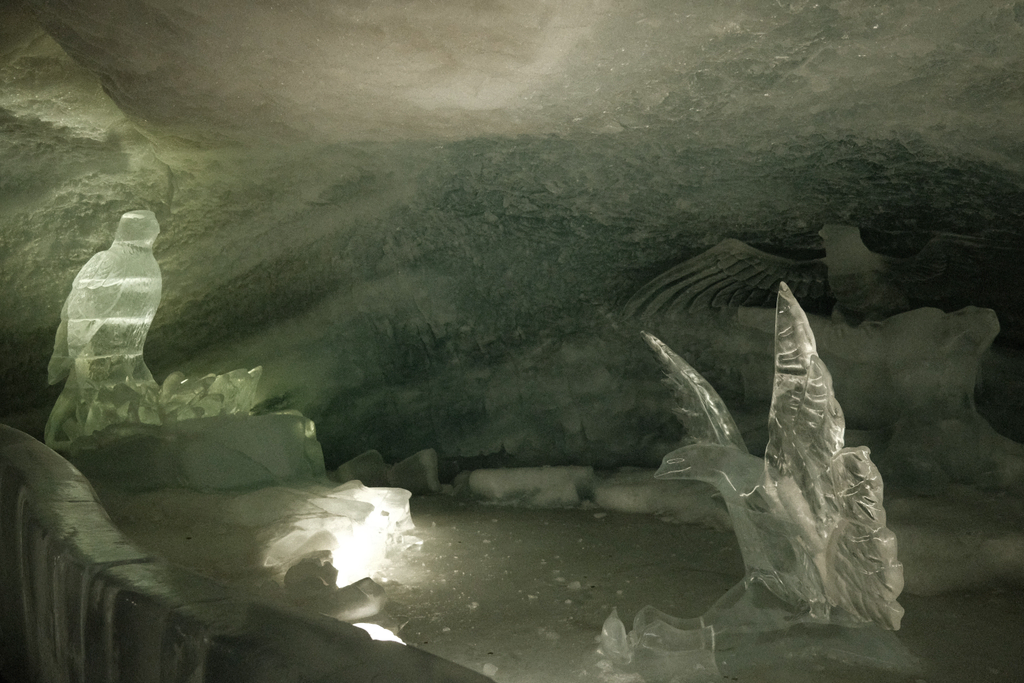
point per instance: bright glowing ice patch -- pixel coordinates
(380, 633)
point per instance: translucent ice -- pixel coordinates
(808, 518)
(98, 346)
(183, 398)
(911, 381)
(355, 524)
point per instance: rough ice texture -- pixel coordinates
(492, 242)
(184, 398)
(809, 517)
(79, 602)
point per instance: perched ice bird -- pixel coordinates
(103, 327)
(861, 284)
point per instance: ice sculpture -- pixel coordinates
(908, 385)
(863, 285)
(98, 348)
(821, 570)
(99, 343)
(184, 398)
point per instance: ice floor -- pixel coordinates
(520, 594)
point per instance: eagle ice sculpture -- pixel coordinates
(808, 518)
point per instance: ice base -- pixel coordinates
(215, 453)
(748, 630)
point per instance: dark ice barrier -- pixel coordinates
(79, 602)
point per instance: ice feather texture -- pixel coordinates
(698, 405)
(861, 284)
(809, 517)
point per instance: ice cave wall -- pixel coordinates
(423, 220)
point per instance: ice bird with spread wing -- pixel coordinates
(863, 285)
(809, 516)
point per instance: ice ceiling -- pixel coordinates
(423, 218)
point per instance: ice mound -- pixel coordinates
(354, 523)
(532, 486)
(254, 538)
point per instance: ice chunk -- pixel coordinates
(98, 346)
(808, 518)
(614, 641)
(533, 486)
(183, 398)
(355, 524)
(417, 473)
(312, 582)
(368, 468)
(637, 491)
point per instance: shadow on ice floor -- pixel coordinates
(521, 594)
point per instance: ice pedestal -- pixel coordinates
(217, 453)
(822, 576)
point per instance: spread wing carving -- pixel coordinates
(731, 274)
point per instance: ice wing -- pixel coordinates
(698, 405)
(805, 423)
(864, 578)
(832, 495)
(730, 274)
